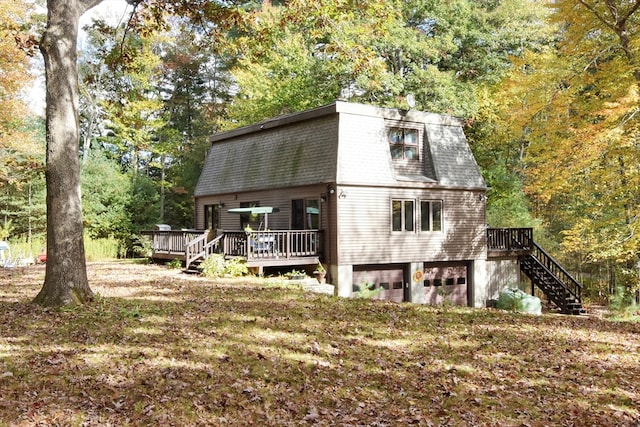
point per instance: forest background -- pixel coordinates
(548, 91)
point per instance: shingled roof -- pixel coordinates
(340, 143)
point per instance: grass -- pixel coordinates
(157, 347)
(95, 249)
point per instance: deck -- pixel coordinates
(503, 242)
(257, 248)
(293, 247)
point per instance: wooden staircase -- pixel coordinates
(198, 249)
(555, 282)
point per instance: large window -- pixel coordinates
(402, 215)
(431, 215)
(403, 143)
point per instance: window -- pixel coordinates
(430, 215)
(403, 143)
(212, 217)
(305, 214)
(402, 215)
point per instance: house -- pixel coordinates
(391, 201)
(397, 194)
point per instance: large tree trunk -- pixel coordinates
(66, 276)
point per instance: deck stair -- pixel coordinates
(198, 249)
(555, 282)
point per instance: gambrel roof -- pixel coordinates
(342, 143)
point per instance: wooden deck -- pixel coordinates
(503, 242)
(257, 248)
(293, 247)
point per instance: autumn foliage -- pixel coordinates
(17, 153)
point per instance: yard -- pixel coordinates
(158, 347)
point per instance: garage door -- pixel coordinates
(446, 282)
(379, 283)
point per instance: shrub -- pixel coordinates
(295, 274)
(175, 263)
(217, 266)
(367, 290)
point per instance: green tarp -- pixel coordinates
(516, 300)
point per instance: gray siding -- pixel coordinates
(365, 236)
(280, 199)
(502, 273)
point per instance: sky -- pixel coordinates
(112, 11)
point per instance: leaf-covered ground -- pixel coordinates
(158, 347)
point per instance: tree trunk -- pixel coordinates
(66, 275)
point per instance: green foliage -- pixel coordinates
(106, 197)
(367, 290)
(296, 274)
(101, 249)
(624, 306)
(6, 228)
(564, 121)
(175, 264)
(216, 266)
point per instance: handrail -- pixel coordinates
(172, 241)
(509, 239)
(200, 248)
(564, 277)
(193, 248)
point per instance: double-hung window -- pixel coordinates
(402, 215)
(403, 143)
(430, 215)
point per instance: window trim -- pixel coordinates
(403, 146)
(430, 228)
(403, 215)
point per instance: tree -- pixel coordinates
(66, 274)
(305, 54)
(66, 278)
(567, 113)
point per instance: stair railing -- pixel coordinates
(573, 287)
(200, 248)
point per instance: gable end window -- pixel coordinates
(403, 143)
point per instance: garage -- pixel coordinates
(379, 282)
(446, 282)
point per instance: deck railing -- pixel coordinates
(255, 245)
(172, 242)
(251, 245)
(510, 239)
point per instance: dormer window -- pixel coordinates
(403, 143)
